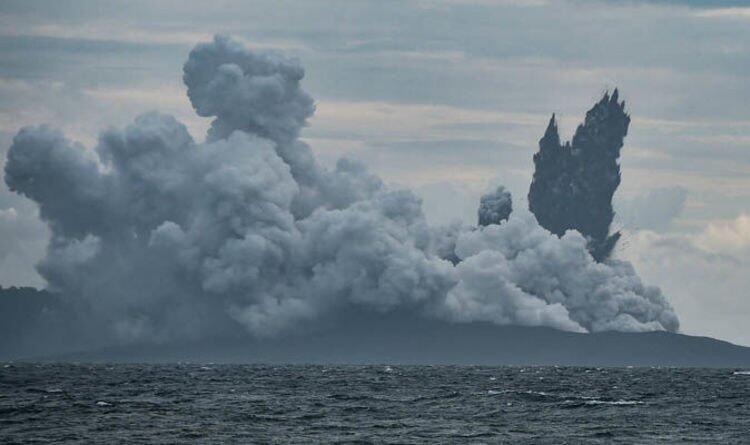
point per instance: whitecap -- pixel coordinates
(100, 403)
(540, 393)
(493, 392)
(613, 402)
(741, 373)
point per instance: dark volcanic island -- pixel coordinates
(366, 338)
(242, 248)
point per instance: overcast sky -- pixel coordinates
(445, 97)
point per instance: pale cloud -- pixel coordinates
(654, 209)
(168, 98)
(104, 31)
(439, 3)
(738, 13)
(387, 121)
(133, 33)
(726, 236)
(707, 288)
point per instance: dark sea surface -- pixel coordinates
(69, 403)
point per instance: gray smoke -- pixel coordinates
(158, 236)
(258, 93)
(495, 207)
(574, 183)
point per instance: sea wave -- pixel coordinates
(613, 402)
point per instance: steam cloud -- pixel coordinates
(160, 237)
(574, 183)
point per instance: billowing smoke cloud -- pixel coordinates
(161, 237)
(495, 207)
(256, 93)
(574, 183)
(519, 265)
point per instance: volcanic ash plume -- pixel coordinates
(574, 183)
(156, 236)
(495, 207)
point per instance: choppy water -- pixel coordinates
(59, 403)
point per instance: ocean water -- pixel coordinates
(70, 403)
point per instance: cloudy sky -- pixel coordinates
(448, 98)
